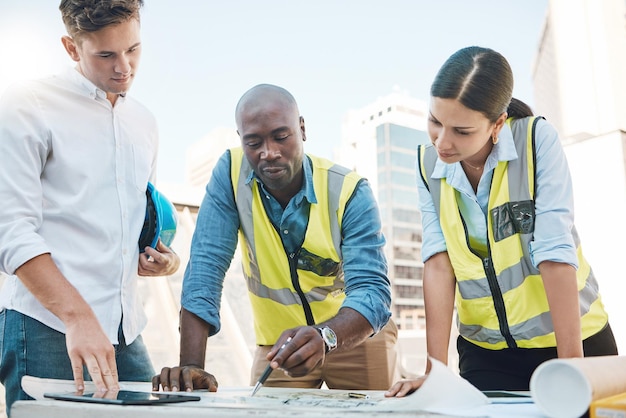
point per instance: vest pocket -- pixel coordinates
(513, 218)
(323, 267)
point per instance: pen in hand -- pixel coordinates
(268, 370)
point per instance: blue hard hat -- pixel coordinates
(160, 220)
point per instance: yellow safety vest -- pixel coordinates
(500, 299)
(304, 288)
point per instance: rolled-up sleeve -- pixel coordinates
(24, 150)
(212, 248)
(433, 241)
(367, 286)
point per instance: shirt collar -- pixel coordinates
(307, 191)
(504, 150)
(86, 86)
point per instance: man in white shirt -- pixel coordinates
(77, 155)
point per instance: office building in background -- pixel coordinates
(380, 142)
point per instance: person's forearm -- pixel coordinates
(559, 280)
(194, 333)
(45, 281)
(438, 284)
(87, 345)
(365, 268)
(350, 327)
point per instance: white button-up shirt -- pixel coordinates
(73, 177)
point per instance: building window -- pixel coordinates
(407, 272)
(407, 253)
(409, 292)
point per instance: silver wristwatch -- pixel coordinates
(329, 337)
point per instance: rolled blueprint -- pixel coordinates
(566, 387)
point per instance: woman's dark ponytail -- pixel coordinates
(518, 109)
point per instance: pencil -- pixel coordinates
(268, 370)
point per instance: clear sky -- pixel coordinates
(200, 56)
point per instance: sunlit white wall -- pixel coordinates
(579, 71)
(600, 201)
(580, 87)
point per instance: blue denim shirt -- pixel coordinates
(367, 287)
(554, 201)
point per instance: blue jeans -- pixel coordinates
(28, 347)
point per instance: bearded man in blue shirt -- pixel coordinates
(312, 255)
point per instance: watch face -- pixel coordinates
(329, 336)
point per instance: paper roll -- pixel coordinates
(564, 388)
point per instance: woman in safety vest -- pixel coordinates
(499, 240)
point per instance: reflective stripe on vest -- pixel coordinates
(289, 290)
(500, 299)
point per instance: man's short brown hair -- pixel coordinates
(80, 16)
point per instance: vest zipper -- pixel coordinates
(498, 301)
(494, 287)
(293, 268)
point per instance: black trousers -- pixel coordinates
(511, 368)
